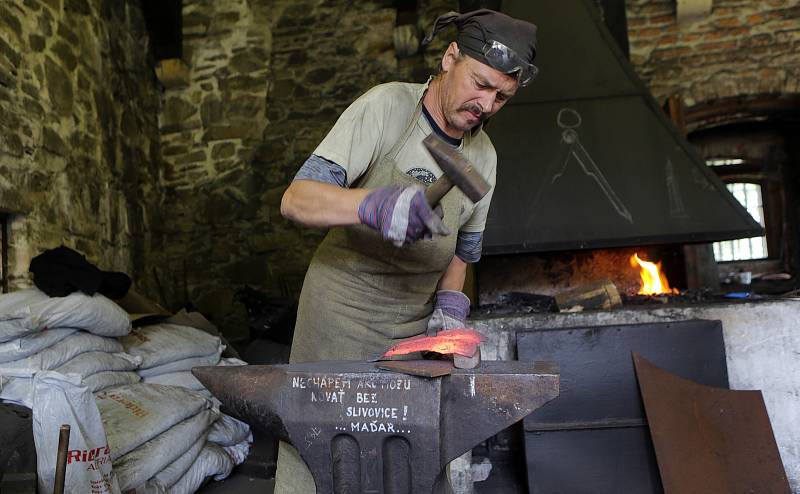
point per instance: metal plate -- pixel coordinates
(709, 440)
(594, 437)
(598, 382)
(578, 461)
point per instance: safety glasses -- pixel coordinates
(507, 61)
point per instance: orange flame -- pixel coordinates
(459, 341)
(653, 280)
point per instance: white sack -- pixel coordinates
(136, 467)
(16, 385)
(184, 379)
(34, 343)
(163, 480)
(136, 413)
(213, 460)
(14, 311)
(175, 470)
(61, 399)
(66, 349)
(238, 452)
(89, 363)
(228, 431)
(159, 344)
(182, 365)
(28, 310)
(108, 379)
(16, 305)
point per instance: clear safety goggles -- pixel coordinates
(507, 61)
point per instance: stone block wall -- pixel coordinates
(743, 47)
(268, 78)
(79, 141)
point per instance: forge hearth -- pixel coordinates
(552, 273)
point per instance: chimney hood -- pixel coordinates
(587, 158)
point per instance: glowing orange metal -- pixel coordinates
(452, 341)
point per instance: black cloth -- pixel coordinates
(480, 26)
(61, 271)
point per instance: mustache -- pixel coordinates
(474, 108)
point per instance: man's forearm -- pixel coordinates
(320, 204)
(454, 276)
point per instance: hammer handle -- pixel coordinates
(437, 190)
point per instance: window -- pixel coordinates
(750, 196)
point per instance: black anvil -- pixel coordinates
(364, 430)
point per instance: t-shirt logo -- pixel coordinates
(423, 175)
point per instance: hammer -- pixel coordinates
(457, 171)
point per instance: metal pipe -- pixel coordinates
(61, 461)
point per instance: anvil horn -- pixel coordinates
(250, 393)
(478, 405)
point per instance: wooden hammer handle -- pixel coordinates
(437, 190)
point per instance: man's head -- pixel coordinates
(491, 58)
(470, 91)
(495, 39)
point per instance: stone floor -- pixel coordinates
(239, 483)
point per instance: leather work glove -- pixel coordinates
(401, 214)
(450, 311)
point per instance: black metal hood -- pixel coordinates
(587, 158)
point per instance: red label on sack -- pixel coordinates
(99, 455)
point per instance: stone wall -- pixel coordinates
(743, 47)
(268, 78)
(79, 140)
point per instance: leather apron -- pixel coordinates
(361, 293)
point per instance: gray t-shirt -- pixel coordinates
(372, 124)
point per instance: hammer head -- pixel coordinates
(457, 168)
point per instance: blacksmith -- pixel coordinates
(391, 267)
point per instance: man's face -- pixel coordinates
(472, 91)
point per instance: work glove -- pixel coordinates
(450, 310)
(401, 214)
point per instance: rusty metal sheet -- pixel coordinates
(709, 440)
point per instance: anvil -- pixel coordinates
(365, 430)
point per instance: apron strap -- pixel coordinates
(395, 150)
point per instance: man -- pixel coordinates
(390, 267)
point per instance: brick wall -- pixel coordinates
(743, 47)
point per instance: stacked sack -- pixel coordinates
(150, 426)
(161, 436)
(168, 352)
(72, 334)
